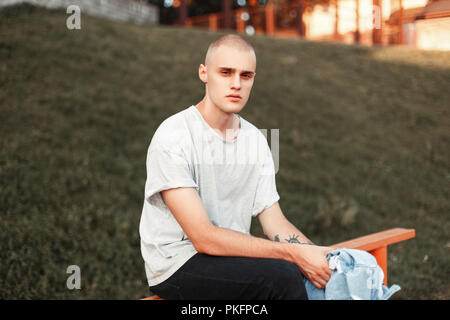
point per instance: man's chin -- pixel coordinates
(232, 107)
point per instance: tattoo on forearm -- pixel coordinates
(292, 239)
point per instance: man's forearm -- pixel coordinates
(287, 232)
(277, 228)
(226, 242)
(291, 235)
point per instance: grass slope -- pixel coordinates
(364, 146)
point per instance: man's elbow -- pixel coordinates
(203, 246)
(204, 241)
(200, 247)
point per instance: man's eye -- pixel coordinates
(225, 72)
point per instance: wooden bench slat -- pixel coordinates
(379, 239)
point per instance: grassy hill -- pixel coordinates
(364, 146)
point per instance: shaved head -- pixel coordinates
(230, 40)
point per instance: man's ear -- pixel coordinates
(202, 73)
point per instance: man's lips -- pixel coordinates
(234, 96)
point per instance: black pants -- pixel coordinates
(213, 277)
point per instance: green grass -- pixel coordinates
(362, 130)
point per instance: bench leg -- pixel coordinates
(381, 255)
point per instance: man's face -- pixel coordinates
(230, 72)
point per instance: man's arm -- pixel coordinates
(187, 208)
(277, 228)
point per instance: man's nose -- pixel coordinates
(236, 81)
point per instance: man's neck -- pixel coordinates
(217, 119)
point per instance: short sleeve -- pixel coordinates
(166, 170)
(266, 190)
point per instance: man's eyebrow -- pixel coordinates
(244, 71)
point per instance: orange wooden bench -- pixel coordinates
(375, 243)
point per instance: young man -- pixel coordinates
(200, 196)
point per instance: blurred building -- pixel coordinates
(426, 27)
(421, 23)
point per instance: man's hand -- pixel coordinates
(312, 262)
(311, 259)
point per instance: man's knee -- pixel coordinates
(286, 281)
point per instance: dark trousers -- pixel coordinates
(213, 277)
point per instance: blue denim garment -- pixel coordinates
(356, 276)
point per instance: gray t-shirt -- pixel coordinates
(235, 179)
